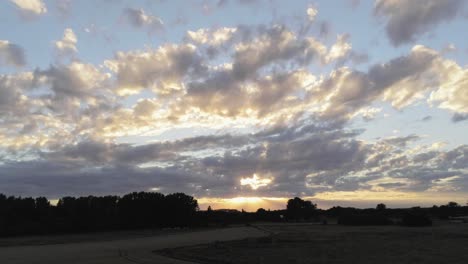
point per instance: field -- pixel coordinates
(262, 243)
(337, 244)
(107, 248)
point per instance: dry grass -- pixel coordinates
(338, 244)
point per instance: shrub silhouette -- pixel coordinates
(298, 209)
(364, 219)
(416, 218)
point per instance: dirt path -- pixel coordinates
(135, 250)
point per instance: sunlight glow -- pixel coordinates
(250, 204)
(255, 182)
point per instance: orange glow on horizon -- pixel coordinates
(325, 200)
(249, 204)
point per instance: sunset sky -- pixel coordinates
(240, 103)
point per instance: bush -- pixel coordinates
(416, 219)
(364, 219)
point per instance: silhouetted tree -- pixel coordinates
(26, 215)
(180, 209)
(298, 209)
(381, 207)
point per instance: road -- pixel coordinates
(124, 251)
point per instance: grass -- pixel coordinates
(337, 244)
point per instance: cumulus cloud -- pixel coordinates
(452, 93)
(30, 8)
(213, 37)
(266, 75)
(275, 44)
(67, 45)
(405, 20)
(270, 115)
(311, 13)
(340, 49)
(139, 19)
(161, 70)
(12, 87)
(400, 81)
(11, 54)
(74, 80)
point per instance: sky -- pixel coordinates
(240, 103)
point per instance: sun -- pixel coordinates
(255, 182)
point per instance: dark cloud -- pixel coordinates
(275, 44)
(162, 70)
(418, 61)
(402, 142)
(392, 185)
(284, 154)
(11, 54)
(300, 160)
(63, 7)
(325, 29)
(426, 118)
(408, 19)
(139, 19)
(458, 117)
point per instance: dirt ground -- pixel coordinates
(262, 243)
(337, 244)
(127, 249)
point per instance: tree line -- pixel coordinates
(137, 210)
(21, 216)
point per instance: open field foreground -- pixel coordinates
(131, 250)
(266, 243)
(338, 244)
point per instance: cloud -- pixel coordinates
(258, 97)
(111, 164)
(294, 160)
(401, 81)
(407, 77)
(427, 118)
(11, 54)
(325, 29)
(270, 103)
(213, 37)
(139, 19)
(452, 93)
(67, 45)
(30, 8)
(311, 13)
(407, 19)
(354, 3)
(340, 49)
(12, 87)
(275, 44)
(161, 70)
(77, 79)
(459, 117)
(401, 141)
(255, 182)
(63, 7)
